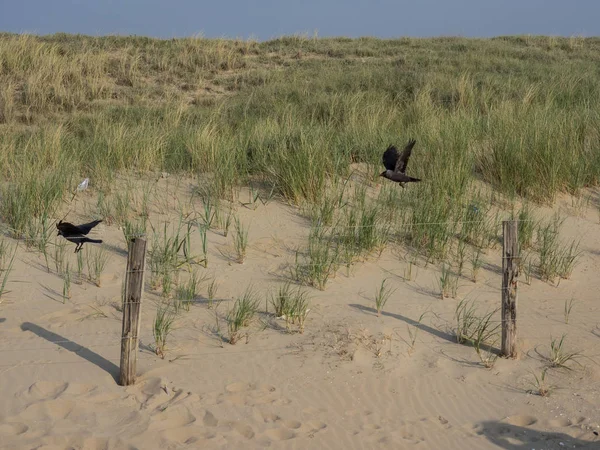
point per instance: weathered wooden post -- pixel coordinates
(510, 275)
(132, 310)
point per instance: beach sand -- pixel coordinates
(350, 381)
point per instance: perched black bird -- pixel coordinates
(395, 164)
(77, 233)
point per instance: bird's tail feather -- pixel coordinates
(95, 241)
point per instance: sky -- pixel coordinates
(268, 19)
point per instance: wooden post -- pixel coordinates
(132, 310)
(510, 275)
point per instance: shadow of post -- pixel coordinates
(513, 437)
(414, 323)
(71, 346)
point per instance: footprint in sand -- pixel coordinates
(190, 436)
(560, 422)
(13, 429)
(410, 437)
(45, 389)
(293, 424)
(80, 389)
(280, 434)
(314, 427)
(173, 417)
(49, 410)
(248, 394)
(312, 411)
(521, 421)
(269, 417)
(238, 387)
(210, 420)
(244, 429)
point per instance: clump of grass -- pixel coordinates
(282, 300)
(163, 326)
(485, 338)
(568, 260)
(542, 388)
(253, 197)
(323, 212)
(208, 212)
(298, 311)
(187, 293)
(122, 203)
(412, 263)
(134, 229)
(60, 247)
(242, 314)
(526, 227)
(556, 259)
(382, 295)
(526, 267)
(479, 330)
(240, 241)
(213, 287)
(80, 266)
(164, 258)
(475, 215)
(319, 262)
(96, 263)
(559, 357)
(413, 332)
(204, 240)
(547, 237)
(448, 282)
(568, 307)
(6, 266)
(224, 219)
(466, 320)
(461, 254)
(104, 208)
(359, 231)
(67, 283)
(292, 305)
(169, 279)
(32, 195)
(476, 263)
(40, 236)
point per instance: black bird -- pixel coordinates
(77, 233)
(395, 164)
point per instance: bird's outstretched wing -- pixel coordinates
(390, 157)
(402, 161)
(86, 227)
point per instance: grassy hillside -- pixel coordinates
(519, 113)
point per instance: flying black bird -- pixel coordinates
(77, 233)
(395, 164)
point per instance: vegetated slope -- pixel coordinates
(520, 113)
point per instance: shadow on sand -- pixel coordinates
(71, 346)
(512, 437)
(421, 326)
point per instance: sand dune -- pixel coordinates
(348, 382)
